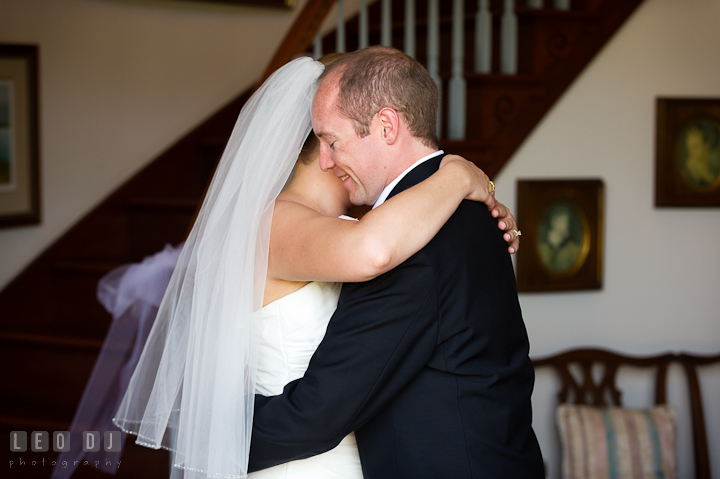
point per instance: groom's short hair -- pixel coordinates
(377, 77)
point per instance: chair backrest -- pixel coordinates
(601, 390)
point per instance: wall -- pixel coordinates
(120, 81)
(662, 266)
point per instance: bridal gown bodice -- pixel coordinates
(289, 331)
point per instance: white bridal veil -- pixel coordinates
(192, 391)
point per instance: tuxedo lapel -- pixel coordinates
(421, 172)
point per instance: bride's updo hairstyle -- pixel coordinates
(311, 145)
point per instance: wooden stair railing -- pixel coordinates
(300, 36)
(554, 46)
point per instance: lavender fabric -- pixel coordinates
(131, 294)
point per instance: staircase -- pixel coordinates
(51, 326)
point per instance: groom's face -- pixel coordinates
(356, 161)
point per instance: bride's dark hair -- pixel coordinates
(309, 149)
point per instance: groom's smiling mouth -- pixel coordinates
(344, 177)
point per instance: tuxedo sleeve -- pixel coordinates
(382, 334)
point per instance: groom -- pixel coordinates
(427, 363)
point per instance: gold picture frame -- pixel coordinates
(19, 144)
(562, 226)
(687, 152)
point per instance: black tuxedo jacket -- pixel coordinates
(427, 363)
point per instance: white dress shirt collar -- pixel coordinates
(386, 192)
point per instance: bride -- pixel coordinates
(258, 280)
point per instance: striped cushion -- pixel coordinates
(617, 443)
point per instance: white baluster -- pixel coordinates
(363, 40)
(508, 46)
(386, 24)
(410, 28)
(483, 38)
(562, 4)
(456, 125)
(340, 33)
(433, 53)
(317, 46)
(535, 3)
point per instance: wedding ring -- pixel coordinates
(491, 187)
(517, 233)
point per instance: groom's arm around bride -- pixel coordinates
(426, 363)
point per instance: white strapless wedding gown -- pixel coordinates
(290, 329)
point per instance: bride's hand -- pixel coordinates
(478, 189)
(506, 222)
(478, 183)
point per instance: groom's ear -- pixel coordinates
(389, 124)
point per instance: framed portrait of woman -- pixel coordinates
(687, 158)
(562, 234)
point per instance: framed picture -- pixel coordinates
(19, 153)
(687, 156)
(562, 227)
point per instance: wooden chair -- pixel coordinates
(603, 392)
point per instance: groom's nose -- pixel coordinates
(326, 162)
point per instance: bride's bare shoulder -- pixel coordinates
(292, 207)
